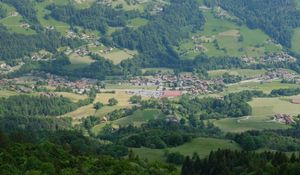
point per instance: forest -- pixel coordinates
(236, 163)
(14, 46)
(98, 17)
(275, 17)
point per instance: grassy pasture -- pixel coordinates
(13, 23)
(79, 60)
(118, 55)
(228, 36)
(72, 96)
(125, 6)
(137, 118)
(265, 87)
(201, 146)
(263, 111)
(42, 12)
(137, 22)
(240, 72)
(7, 93)
(163, 70)
(296, 40)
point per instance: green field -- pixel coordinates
(296, 40)
(240, 72)
(139, 117)
(118, 55)
(201, 146)
(263, 111)
(228, 36)
(42, 12)
(265, 87)
(80, 60)
(7, 93)
(137, 22)
(13, 23)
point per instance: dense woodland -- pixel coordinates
(275, 17)
(25, 105)
(98, 17)
(13, 45)
(155, 40)
(52, 158)
(236, 163)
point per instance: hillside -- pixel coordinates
(158, 87)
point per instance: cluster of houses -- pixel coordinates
(41, 56)
(81, 86)
(284, 118)
(278, 58)
(156, 93)
(83, 36)
(4, 68)
(280, 74)
(186, 83)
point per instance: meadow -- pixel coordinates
(263, 110)
(266, 87)
(13, 23)
(232, 40)
(201, 146)
(240, 72)
(118, 55)
(296, 40)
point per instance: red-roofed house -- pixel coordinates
(171, 94)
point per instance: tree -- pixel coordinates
(112, 102)
(175, 158)
(135, 99)
(98, 105)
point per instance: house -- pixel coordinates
(171, 94)
(284, 118)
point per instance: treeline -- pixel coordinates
(155, 40)
(13, 45)
(235, 163)
(15, 124)
(26, 105)
(233, 105)
(157, 134)
(98, 17)
(282, 140)
(51, 158)
(100, 69)
(277, 18)
(3, 12)
(285, 92)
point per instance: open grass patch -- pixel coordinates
(296, 40)
(263, 110)
(265, 87)
(240, 72)
(201, 146)
(118, 55)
